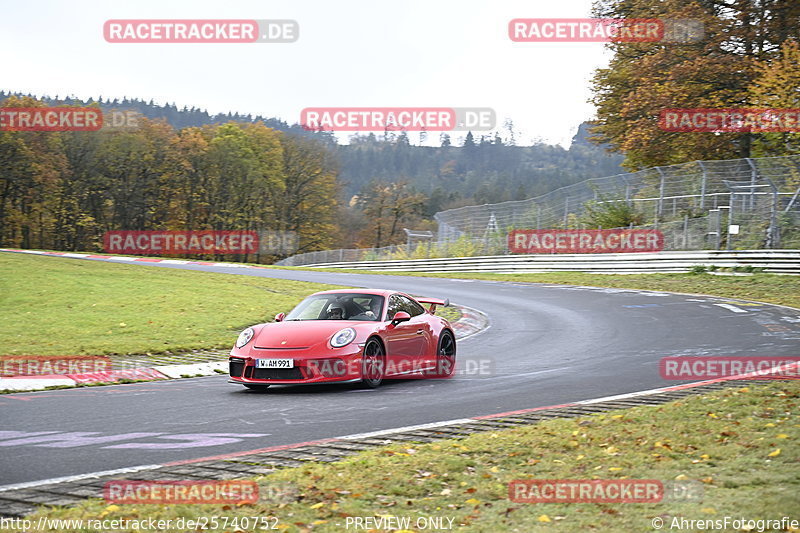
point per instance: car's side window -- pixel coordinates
(411, 307)
(395, 305)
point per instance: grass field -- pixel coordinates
(56, 306)
(66, 307)
(737, 448)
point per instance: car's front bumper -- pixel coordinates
(325, 369)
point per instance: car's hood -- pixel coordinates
(304, 333)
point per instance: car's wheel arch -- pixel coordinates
(380, 341)
(378, 338)
(442, 332)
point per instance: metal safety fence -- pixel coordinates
(749, 203)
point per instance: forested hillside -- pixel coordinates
(490, 166)
(189, 170)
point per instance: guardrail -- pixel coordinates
(772, 261)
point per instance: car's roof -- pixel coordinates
(378, 292)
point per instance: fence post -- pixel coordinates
(753, 179)
(566, 211)
(660, 191)
(655, 215)
(729, 221)
(703, 186)
(791, 202)
(717, 227)
(686, 232)
(774, 230)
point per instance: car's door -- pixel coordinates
(405, 344)
(409, 342)
(425, 349)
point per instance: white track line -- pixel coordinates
(730, 307)
(79, 477)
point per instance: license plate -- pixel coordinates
(274, 363)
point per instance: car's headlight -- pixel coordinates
(343, 337)
(244, 337)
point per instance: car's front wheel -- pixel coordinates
(372, 363)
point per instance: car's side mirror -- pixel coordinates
(400, 316)
(279, 317)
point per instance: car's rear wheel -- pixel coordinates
(256, 387)
(372, 364)
(446, 355)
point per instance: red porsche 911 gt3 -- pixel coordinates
(347, 335)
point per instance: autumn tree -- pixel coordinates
(387, 207)
(716, 70)
(777, 85)
(33, 165)
(64, 190)
(308, 204)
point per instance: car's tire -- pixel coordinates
(445, 355)
(258, 388)
(373, 363)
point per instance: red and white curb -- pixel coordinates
(471, 323)
(21, 384)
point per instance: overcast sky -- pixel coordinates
(356, 53)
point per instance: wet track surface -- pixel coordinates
(546, 345)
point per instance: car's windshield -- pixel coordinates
(339, 306)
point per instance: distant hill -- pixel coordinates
(179, 118)
(483, 170)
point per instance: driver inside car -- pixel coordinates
(375, 309)
(335, 312)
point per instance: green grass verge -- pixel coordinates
(740, 446)
(66, 306)
(451, 314)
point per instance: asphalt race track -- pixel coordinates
(546, 345)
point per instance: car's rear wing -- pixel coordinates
(433, 302)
